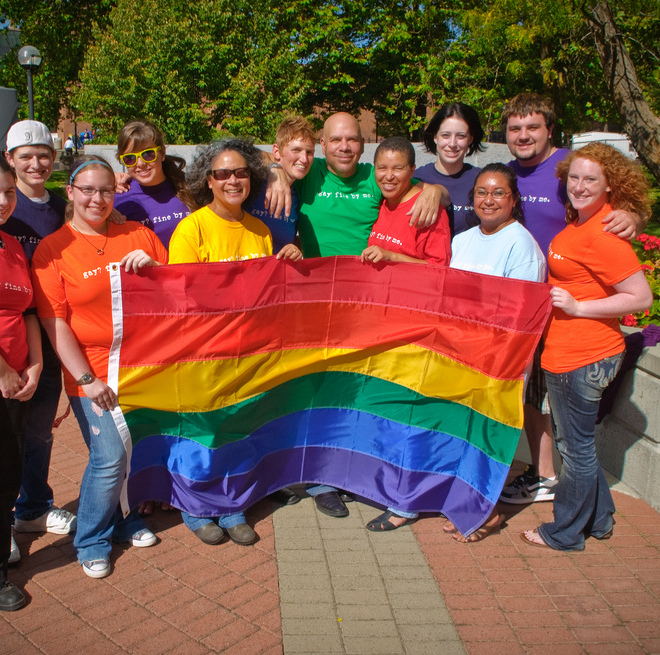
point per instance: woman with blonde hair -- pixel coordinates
(596, 278)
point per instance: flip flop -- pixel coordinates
(527, 540)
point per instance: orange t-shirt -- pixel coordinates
(72, 281)
(586, 262)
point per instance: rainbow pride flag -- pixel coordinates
(400, 383)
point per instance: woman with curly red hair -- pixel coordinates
(596, 278)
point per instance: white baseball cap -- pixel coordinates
(29, 133)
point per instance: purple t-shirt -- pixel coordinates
(543, 198)
(460, 212)
(157, 207)
(31, 221)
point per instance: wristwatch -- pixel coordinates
(85, 378)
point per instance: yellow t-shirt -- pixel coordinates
(203, 236)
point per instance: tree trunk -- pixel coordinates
(638, 119)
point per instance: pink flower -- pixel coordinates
(629, 320)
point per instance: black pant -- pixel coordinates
(13, 418)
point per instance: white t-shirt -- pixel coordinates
(511, 252)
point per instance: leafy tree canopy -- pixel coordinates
(61, 31)
(192, 67)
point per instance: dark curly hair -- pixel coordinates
(629, 188)
(143, 134)
(512, 179)
(200, 169)
(459, 110)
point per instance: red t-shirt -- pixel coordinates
(392, 231)
(586, 262)
(72, 281)
(15, 298)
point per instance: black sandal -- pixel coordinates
(382, 523)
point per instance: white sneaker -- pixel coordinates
(144, 538)
(96, 568)
(15, 554)
(55, 520)
(529, 488)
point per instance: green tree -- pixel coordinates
(164, 60)
(60, 31)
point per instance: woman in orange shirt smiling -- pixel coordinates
(596, 278)
(72, 287)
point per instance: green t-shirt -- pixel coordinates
(336, 214)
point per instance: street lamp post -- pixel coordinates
(30, 59)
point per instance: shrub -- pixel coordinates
(647, 248)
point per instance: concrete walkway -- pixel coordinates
(313, 584)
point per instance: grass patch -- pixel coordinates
(57, 183)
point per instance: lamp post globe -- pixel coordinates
(29, 59)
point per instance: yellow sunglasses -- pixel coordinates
(130, 159)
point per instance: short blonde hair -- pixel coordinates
(294, 127)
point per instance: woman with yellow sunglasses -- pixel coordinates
(157, 196)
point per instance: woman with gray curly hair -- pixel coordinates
(223, 176)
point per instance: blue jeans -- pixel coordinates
(402, 513)
(36, 496)
(583, 503)
(99, 516)
(317, 489)
(224, 520)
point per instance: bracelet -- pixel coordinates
(274, 165)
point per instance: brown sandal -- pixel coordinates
(493, 524)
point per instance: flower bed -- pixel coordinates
(647, 248)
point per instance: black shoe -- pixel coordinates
(11, 598)
(285, 497)
(331, 504)
(346, 497)
(210, 534)
(242, 534)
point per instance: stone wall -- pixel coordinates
(628, 440)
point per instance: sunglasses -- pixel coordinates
(130, 159)
(222, 174)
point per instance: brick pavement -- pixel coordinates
(340, 589)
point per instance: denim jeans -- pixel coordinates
(583, 504)
(224, 520)
(36, 495)
(317, 489)
(403, 513)
(99, 516)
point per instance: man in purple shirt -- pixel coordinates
(528, 122)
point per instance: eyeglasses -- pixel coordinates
(130, 159)
(222, 174)
(497, 194)
(90, 191)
